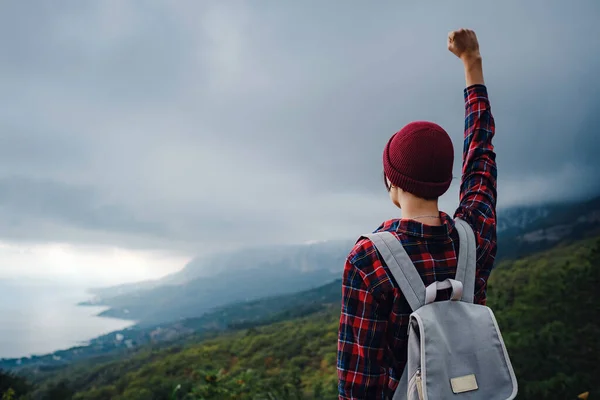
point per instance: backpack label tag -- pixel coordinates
(463, 384)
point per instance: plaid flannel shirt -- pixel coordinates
(373, 331)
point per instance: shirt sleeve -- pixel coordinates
(478, 183)
(362, 365)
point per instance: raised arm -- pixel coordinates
(479, 172)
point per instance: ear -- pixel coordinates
(395, 194)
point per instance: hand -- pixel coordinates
(463, 44)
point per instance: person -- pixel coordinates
(417, 163)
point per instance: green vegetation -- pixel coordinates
(288, 360)
(12, 387)
(544, 304)
(549, 314)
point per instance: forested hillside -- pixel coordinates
(545, 306)
(549, 314)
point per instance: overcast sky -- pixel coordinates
(136, 134)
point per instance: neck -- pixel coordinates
(427, 210)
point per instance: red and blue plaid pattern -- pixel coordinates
(374, 319)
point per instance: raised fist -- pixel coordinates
(463, 43)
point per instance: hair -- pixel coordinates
(388, 187)
(385, 182)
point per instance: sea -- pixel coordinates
(39, 317)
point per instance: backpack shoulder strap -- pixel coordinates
(465, 271)
(400, 265)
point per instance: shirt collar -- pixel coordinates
(415, 228)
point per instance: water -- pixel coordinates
(39, 318)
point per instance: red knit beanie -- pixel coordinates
(418, 159)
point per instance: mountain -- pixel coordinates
(545, 305)
(517, 219)
(304, 257)
(525, 230)
(232, 277)
(308, 257)
(295, 257)
(217, 280)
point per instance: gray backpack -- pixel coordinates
(455, 349)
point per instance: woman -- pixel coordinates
(417, 163)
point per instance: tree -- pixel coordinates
(12, 386)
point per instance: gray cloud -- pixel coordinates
(205, 125)
(78, 206)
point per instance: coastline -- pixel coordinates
(43, 321)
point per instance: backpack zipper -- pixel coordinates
(419, 384)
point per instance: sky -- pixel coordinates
(137, 134)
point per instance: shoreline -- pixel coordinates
(67, 334)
